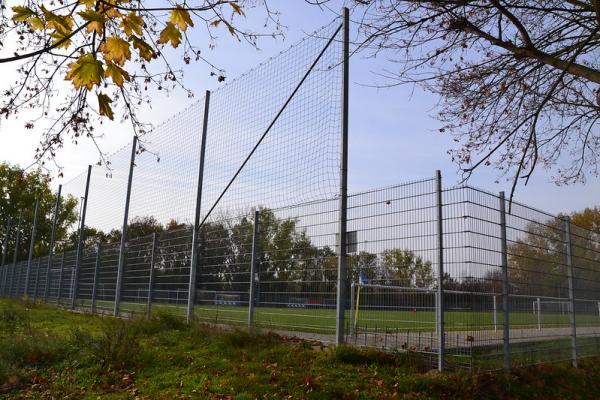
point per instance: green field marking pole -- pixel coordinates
(253, 262)
(505, 285)
(439, 320)
(570, 277)
(37, 279)
(80, 241)
(52, 239)
(151, 273)
(16, 254)
(36, 214)
(123, 246)
(4, 254)
(60, 278)
(196, 232)
(96, 276)
(343, 201)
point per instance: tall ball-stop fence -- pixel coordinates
(235, 211)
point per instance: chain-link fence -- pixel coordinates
(235, 212)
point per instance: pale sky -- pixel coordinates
(393, 136)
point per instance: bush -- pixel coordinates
(13, 317)
(159, 321)
(355, 356)
(116, 346)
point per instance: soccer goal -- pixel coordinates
(376, 306)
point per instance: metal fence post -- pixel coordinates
(352, 308)
(196, 231)
(569, 262)
(16, 255)
(538, 303)
(4, 254)
(151, 277)
(80, 243)
(122, 248)
(52, 237)
(440, 274)
(343, 201)
(505, 286)
(253, 262)
(60, 278)
(96, 276)
(31, 247)
(37, 279)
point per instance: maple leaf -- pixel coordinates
(104, 106)
(37, 24)
(21, 14)
(170, 34)
(96, 20)
(116, 73)
(116, 49)
(181, 18)
(144, 49)
(85, 72)
(132, 23)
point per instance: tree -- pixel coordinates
(404, 268)
(518, 80)
(111, 52)
(19, 190)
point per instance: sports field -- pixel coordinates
(323, 320)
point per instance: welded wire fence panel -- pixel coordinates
(134, 293)
(393, 260)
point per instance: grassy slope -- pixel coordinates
(49, 353)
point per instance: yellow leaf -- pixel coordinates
(88, 3)
(132, 23)
(116, 73)
(237, 8)
(95, 20)
(181, 18)
(116, 49)
(60, 36)
(216, 22)
(104, 105)
(85, 72)
(37, 24)
(144, 49)
(21, 14)
(55, 21)
(170, 34)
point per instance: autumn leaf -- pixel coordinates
(61, 36)
(116, 73)
(237, 8)
(21, 14)
(55, 21)
(170, 34)
(132, 23)
(216, 23)
(96, 20)
(144, 49)
(104, 106)
(37, 24)
(85, 72)
(181, 18)
(116, 49)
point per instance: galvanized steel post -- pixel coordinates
(151, 277)
(60, 278)
(80, 242)
(196, 231)
(37, 279)
(505, 285)
(52, 238)
(253, 262)
(570, 276)
(31, 247)
(96, 276)
(122, 249)
(343, 201)
(440, 273)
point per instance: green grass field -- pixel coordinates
(47, 353)
(323, 320)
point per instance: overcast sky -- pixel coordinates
(393, 136)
